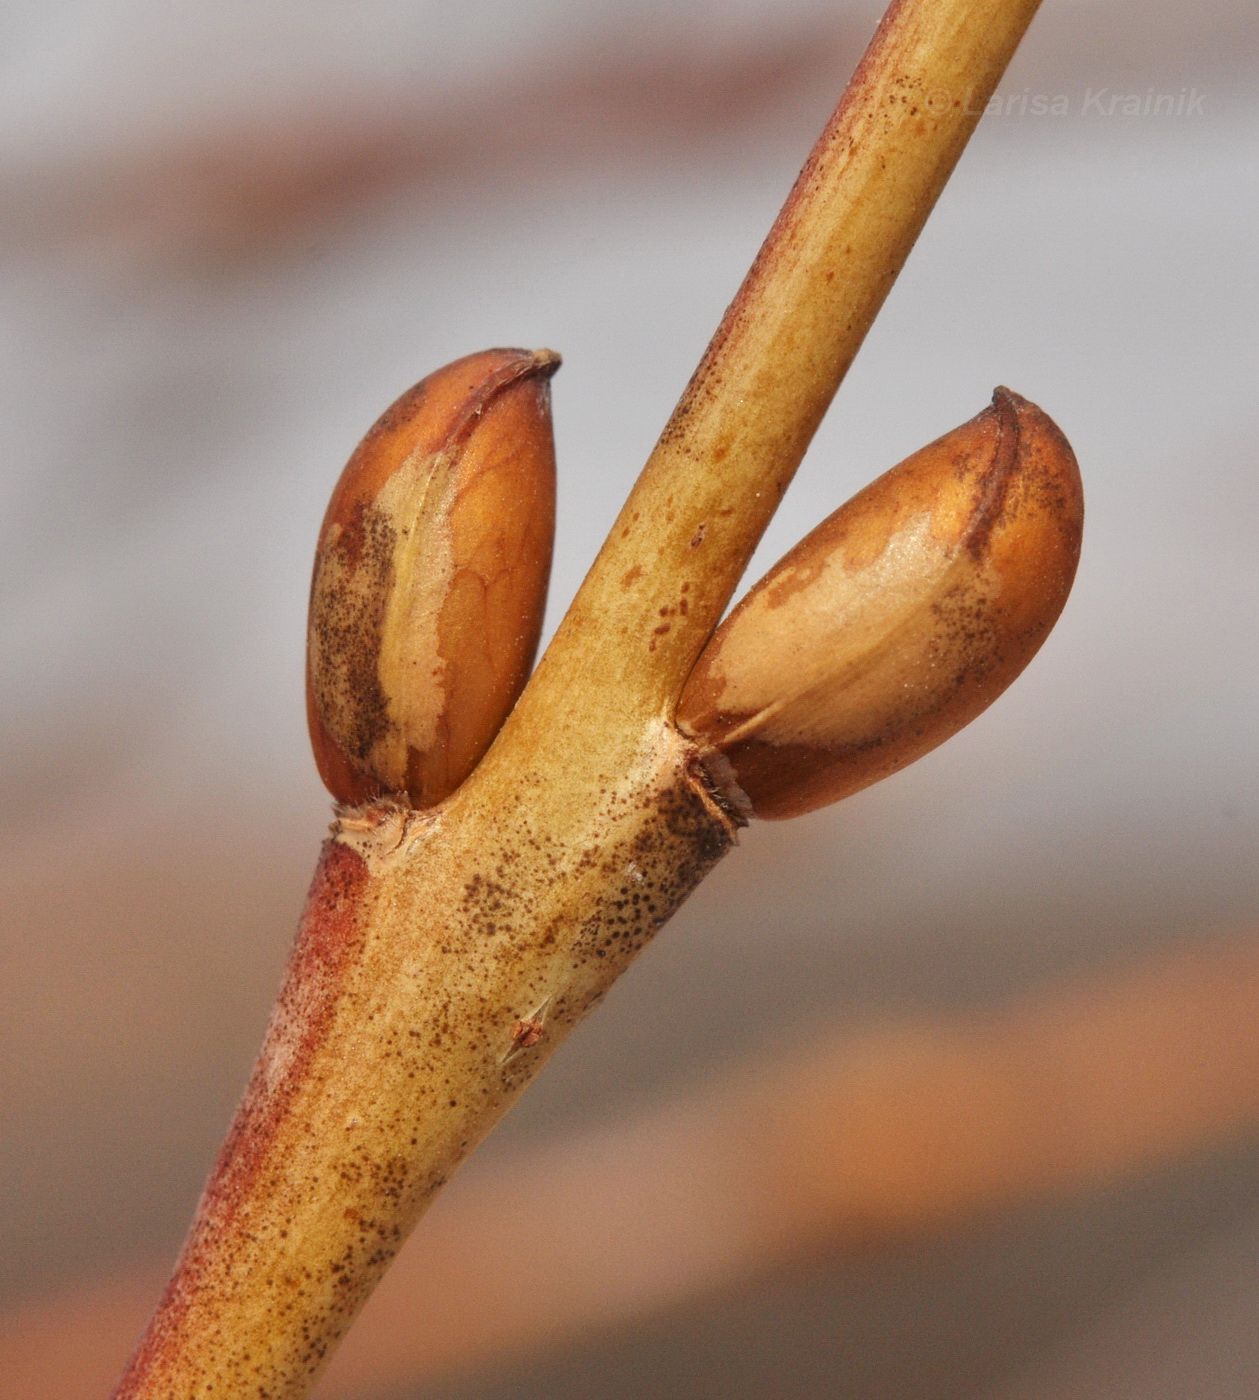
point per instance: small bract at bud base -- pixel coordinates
(430, 580)
(896, 621)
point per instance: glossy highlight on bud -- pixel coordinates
(430, 580)
(896, 621)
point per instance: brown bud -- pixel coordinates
(898, 620)
(430, 579)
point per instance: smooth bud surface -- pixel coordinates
(430, 579)
(896, 621)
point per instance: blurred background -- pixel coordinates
(1009, 996)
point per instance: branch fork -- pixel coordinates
(502, 850)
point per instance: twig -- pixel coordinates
(431, 939)
(879, 1131)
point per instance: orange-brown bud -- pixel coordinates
(898, 620)
(430, 579)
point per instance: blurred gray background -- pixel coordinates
(233, 232)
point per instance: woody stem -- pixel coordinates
(743, 424)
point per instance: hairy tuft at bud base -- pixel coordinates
(896, 621)
(430, 580)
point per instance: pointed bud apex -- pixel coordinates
(430, 580)
(897, 620)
